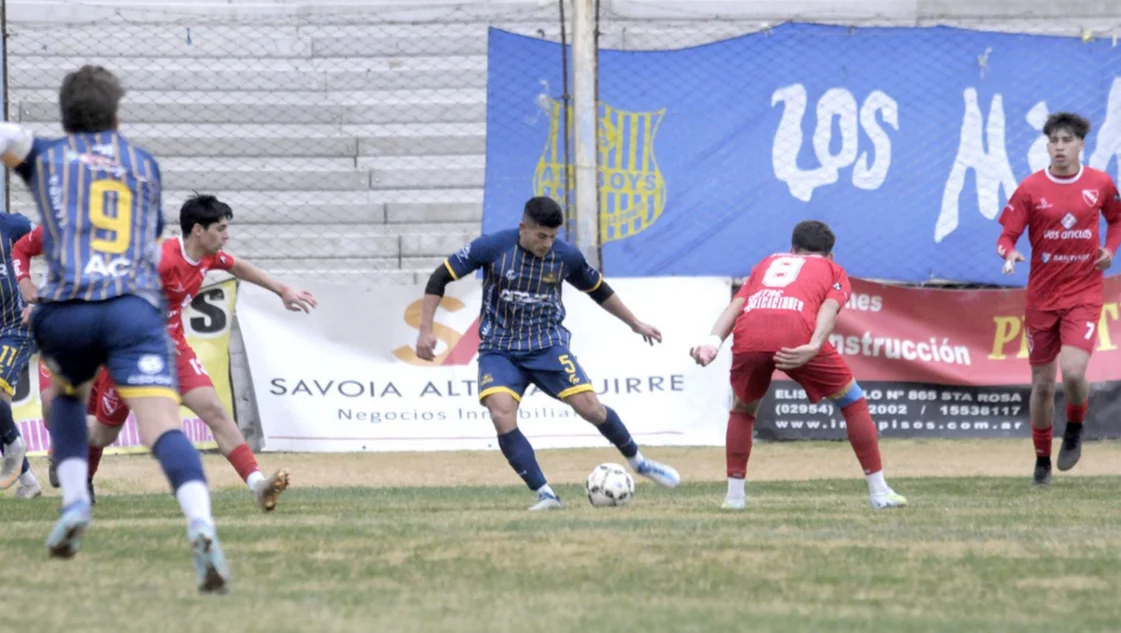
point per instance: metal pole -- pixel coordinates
(584, 122)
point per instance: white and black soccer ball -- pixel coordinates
(609, 485)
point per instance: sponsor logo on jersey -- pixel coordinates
(1043, 204)
(1054, 234)
(1069, 220)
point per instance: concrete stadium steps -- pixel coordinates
(352, 241)
(192, 107)
(263, 74)
(273, 41)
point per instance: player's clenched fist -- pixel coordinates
(703, 354)
(426, 346)
(1010, 260)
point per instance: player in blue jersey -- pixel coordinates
(523, 341)
(101, 303)
(15, 352)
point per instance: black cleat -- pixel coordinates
(52, 471)
(89, 486)
(1071, 450)
(1042, 474)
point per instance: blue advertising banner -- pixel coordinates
(907, 141)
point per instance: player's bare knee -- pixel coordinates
(750, 408)
(101, 435)
(503, 410)
(588, 406)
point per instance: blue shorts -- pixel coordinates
(15, 352)
(126, 334)
(554, 370)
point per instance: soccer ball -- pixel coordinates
(609, 485)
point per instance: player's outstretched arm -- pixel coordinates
(706, 352)
(614, 305)
(294, 300)
(793, 357)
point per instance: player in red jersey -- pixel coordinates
(1060, 207)
(184, 262)
(782, 319)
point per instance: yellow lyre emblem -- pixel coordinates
(632, 192)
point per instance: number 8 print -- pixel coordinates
(783, 271)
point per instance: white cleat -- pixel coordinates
(12, 463)
(659, 473)
(269, 489)
(889, 499)
(29, 491)
(546, 501)
(734, 503)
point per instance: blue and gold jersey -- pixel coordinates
(99, 198)
(522, 308)
(12, 227)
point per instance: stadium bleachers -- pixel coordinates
(351, 149)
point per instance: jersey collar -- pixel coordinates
(183, 249)
(1064, 180)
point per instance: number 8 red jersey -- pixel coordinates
(781, 300)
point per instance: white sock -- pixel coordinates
(254, 480)
(636, 461)
(736, 488)
(194, 499)
(28, 479)
(876, 483)
(545, 489)
(74, 474)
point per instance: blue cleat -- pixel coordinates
(210, 564)
(67, 533)
(659, 473)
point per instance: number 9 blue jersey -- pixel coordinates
(99, 199)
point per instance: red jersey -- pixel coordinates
(781, 300)
(182, 277)
(1061, 216)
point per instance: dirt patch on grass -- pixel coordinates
(769, 462)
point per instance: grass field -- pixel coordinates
(441, 542)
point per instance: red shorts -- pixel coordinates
(1049, 330)
(45, 382)
(192, 373)
(825, 375)
(108, 406)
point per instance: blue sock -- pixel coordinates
(522, 459)
(69, 434)
(9, 432)
(618, 434)
(178, 458)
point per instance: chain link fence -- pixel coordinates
(841, 138)
(350, 142)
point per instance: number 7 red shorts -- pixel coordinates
(1049, 330)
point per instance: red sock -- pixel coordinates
(1076, 413)
(243, 461)
(737, 443)
(94, 459)
(863, 437)
(1042, 440)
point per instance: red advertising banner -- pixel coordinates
(945, 363)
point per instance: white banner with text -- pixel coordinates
(346, 377)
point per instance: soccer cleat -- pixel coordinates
(659, 473)
(1071, 449)
(546, 501)
(52, 471)
(67, 533)
(12, 464)
(29, 491)
(888, 499)
(734, 503)
(269, 490)
(210, 564)
(1042, 474)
